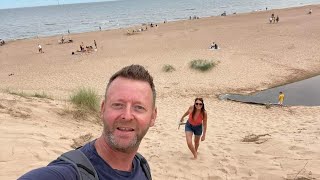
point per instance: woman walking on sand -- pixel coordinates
(196, 123)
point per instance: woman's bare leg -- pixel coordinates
(190, 145)
(196, 142)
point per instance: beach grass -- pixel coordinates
(168, 68)
(202, 64)
(26, 95)
(41, 95)
(21, 93)
(86, 98)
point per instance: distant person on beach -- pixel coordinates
(214, 45)
(70, 40)
(273, 18)
(95, 44)
(81, 48)
(100, 28)
(277, 19)
(62, 40)
(270, 20)
(310, 11)
(196, 124)
(68, 31)
(2, 42)
(281, 98)
(127, 112)
(40, 48)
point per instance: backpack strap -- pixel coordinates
(86, 170)
(81, 163)
(145, 166)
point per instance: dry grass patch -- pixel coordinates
(255, 138)
(41, 95)
(168, 68)
(26, 95)
(81, 140)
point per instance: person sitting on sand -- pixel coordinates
(196, 124)
(310, 11)
(277, 19)
(40, 48)
(2, 42)
(212, 45)
(281, 98)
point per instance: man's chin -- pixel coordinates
(126, 148)
(124, 145)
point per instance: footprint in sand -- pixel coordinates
(294, 148)
(210, 147)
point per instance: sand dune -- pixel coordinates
(254, 55)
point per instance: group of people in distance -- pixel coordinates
(274, 19)
(63, 40)
(87, 48)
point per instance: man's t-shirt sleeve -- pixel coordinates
(54, 171)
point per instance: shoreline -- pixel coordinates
(160, 22)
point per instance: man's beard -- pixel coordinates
(112, 141)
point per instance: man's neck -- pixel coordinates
(117, 160)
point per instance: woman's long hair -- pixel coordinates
(194, 107)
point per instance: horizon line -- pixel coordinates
(59, 4)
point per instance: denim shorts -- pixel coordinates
(197, 130)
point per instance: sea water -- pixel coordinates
(42, 21)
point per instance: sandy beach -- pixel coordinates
(253, 55)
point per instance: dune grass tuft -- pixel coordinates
(21, 93)
(86, 98)
(41, 95)
(202, 64)
(168, 68)
(26, 95)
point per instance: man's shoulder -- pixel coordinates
(56, 170)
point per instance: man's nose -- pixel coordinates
(127, 114)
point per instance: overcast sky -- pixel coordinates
(5, 4)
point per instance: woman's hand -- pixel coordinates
(203, 137)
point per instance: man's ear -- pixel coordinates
(153, 116)
(102, 108)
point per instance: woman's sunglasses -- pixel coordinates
(198, 104)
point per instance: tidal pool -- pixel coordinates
(301, 93)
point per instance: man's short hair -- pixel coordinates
(134, 72)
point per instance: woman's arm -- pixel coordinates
(186, 113)
(204, 126)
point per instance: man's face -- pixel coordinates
(127, 113)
